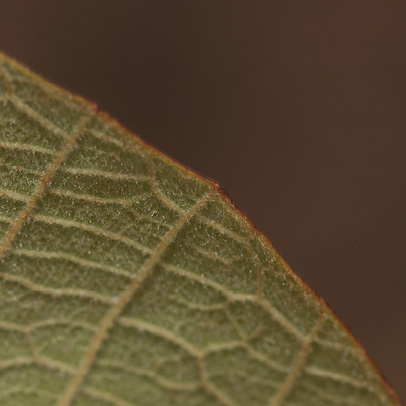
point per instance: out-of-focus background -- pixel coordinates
(297, 109)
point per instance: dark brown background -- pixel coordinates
(297, 108)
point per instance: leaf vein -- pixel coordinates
(74, 259)
(95, 230)
(56, 292)
(26, 147)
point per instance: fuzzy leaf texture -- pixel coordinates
(127, 280)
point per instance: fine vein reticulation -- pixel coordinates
(127, 280)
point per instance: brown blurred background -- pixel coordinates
(297, 109)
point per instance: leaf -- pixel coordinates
(126, 279)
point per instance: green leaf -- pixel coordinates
(126, 279)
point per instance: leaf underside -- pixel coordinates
(126, 279)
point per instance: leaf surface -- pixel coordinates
(126, 279)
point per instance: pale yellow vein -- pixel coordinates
(224, 230)
(199, 306)
(8, 326)
(335, 376)
(105, 174)
(126, 202)
(18, 390)
(345, 348)
(95, 230)
(53, 364)
(263, 359)
(74, 259)
(298, 365)
(223, 346)
(27, 328)
(15, 196)
(16, 362)
(15, 227)
(160, 380)
(20, 168)
(213, 255)
(56, 292)
(115, 311)
(26, 147)
(166, 334)
(106, 397)
(61, 322)
(249, 378)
